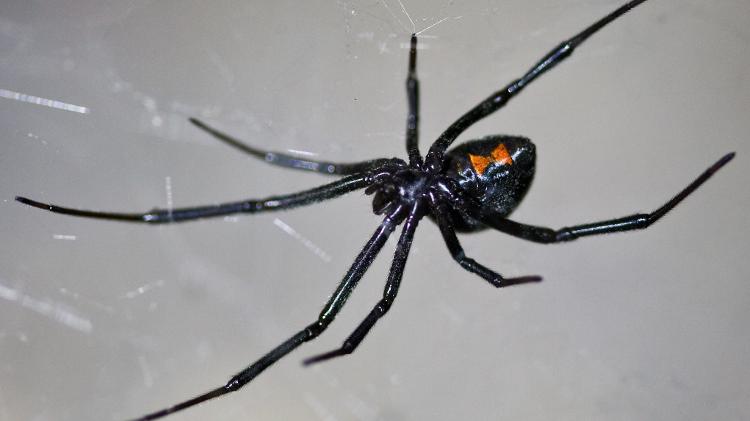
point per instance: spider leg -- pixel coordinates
(626, 223)
(454, 246)
(389, 294)
(160, 216)
(289, 161)
(498, 99)
(412, 119)
(332, 307)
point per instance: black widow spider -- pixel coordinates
(474, 186)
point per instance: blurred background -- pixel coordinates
(107, 321)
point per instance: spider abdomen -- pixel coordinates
(495, 171)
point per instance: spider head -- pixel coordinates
(495, 171)
(384, 198)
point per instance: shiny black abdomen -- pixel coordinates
(496, 171)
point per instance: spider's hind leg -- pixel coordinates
(626, 223)
(454, 246)
(412, 96)
(498, 99)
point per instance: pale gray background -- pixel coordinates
(104, 321)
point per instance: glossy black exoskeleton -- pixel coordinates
(474, 186)
(495, 171)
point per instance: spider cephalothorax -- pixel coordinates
(476, 185)
(406, 188)
(491, 174)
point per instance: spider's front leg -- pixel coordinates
(389, 294)
(329, 312)
(289, 161)
(163, 216)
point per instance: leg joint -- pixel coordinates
(316, 328)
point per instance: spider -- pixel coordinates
(474, 186)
